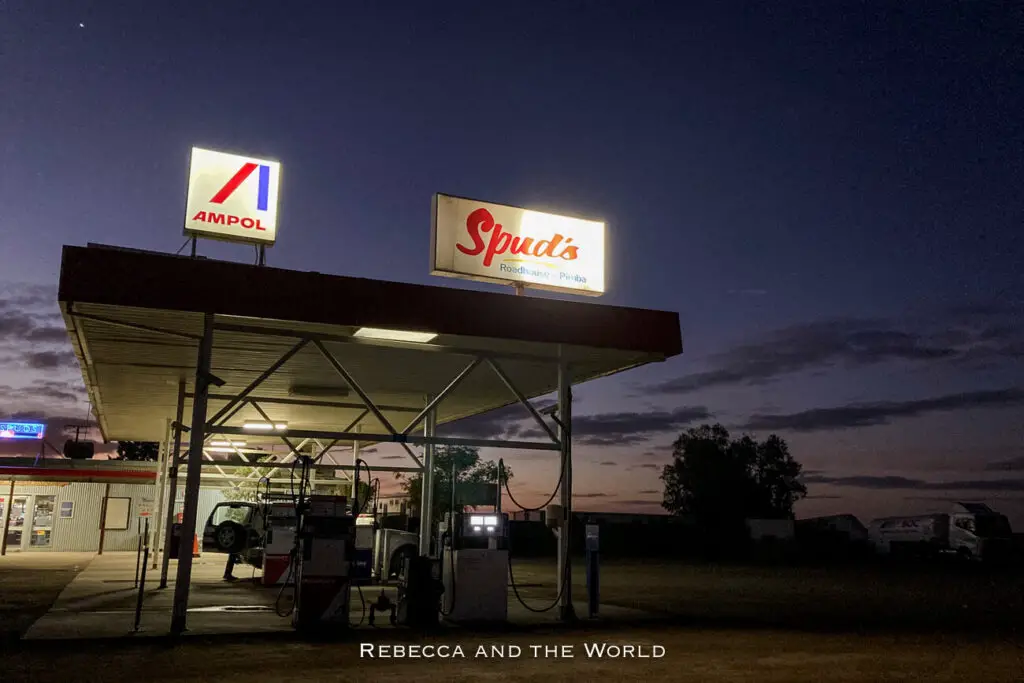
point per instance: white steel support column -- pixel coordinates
(158, 506)
(312, 470)
(432, 480)
(193, 475)
(355, 456)
(427, 485)
(565, 609)
(172, 483)
(7, 519)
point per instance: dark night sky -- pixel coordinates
(828, 193)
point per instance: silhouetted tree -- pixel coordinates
(468, 467)
(138, 450)
(723, 481)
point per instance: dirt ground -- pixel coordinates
(689, 655)
(29, 584)
(731, 624)
(862, 598)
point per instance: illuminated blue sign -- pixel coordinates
(21, 430)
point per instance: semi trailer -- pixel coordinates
(972, 531)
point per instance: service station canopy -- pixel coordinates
(288, 351)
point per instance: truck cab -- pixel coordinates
(976, 531)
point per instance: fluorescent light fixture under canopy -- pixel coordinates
(394, 335)
(265, 426)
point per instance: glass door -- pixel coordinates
(42, 522)
(17, 523)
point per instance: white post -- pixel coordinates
(355, 456)
(492, 542)
(158, 504)
(193, 474)
(565, 611)
(172, 484)
(427, 485)
(7, 519)
(312, 470)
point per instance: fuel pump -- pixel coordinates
(365, 527)
(474, 553)
(278, 564)
(419, 592)
(362, 560)
(323, 583)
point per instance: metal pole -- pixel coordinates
(172, 485)
(565, 610)
(432, 422)
(7, 518)
(193, 476)
(493, 541)
(355, 456)
(138, 551)
(312, 471)
(497, 500)
(161, 479)
(400, 439)
(427, 485)
(451, 521)
(103, 518)
(142, 581)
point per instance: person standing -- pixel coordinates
(229, 569)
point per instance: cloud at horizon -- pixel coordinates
(887, 482)
(875, 413)
(602, 429)
(964, 334)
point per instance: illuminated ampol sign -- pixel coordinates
(224, 203)
(22, 430)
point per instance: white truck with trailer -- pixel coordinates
(973, 531)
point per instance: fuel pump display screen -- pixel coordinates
(483, 525)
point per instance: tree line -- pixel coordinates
(717, 480)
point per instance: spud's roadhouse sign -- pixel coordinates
(232, 197)
(495, 243)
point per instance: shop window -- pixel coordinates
(42, 522)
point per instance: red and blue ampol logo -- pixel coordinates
(263, 192)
